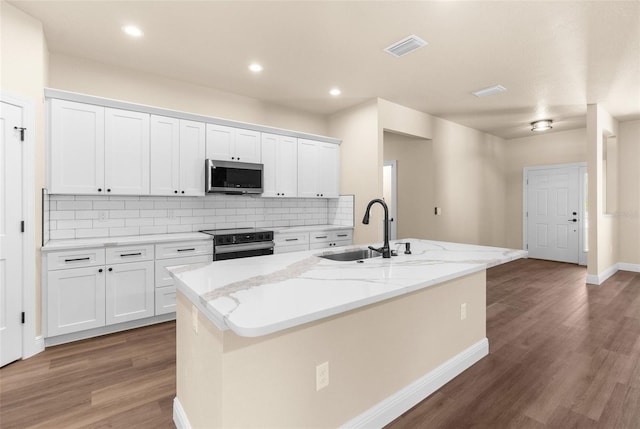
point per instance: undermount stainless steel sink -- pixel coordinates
(351, 255)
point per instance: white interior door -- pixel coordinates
(11, 276)
(553, 213)
(390, 192)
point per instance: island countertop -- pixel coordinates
(266, 294)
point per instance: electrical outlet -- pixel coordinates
(102, 216)
(463, 311)
(194, 318)
(322, 375)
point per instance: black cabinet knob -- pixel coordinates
(110, 269)
(100, 270)
(108, 189)
(175, 192)
(183, 192)
(99, 189)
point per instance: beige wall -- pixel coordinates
(470, 185)
(224, 380)
(415, 184)
(23, 73)
(90, 77)
(545, 149)
(629, 192)
(603, 228)
(361, 165)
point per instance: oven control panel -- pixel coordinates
(248, 237)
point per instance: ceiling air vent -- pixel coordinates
(405, 46)
(485, 92)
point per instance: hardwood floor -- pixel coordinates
(562, 355)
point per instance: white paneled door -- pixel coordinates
(11, 276)
(553, 213)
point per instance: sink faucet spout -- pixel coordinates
(385, 249)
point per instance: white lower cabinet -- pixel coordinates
(171, 255)
(286, 242)
(129, 292)
(75, 300)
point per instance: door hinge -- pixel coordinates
(23, 317)
(527, 246)
(21, 226)
(22, 130)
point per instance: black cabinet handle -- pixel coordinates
(77, 259)
(131, 254)
(100, 270)
(343, 235)
(110, 269)
(108, 189)
(99, 189)
(175, 192)
(186, 250)
(290, 239)
(183, 192)
(321, 236)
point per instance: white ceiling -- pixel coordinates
(554, 57)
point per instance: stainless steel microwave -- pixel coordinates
(232, 177)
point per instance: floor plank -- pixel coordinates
(562, 355)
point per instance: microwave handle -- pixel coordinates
(208, 165)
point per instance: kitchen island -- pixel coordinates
(296, 340)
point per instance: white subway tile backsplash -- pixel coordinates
(102, 216)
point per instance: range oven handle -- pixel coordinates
(243, 247)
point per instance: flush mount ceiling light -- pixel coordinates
(255, 67)
(132, 31)
(335, 92)
(485, 92)
(541, 125)
(404, 46)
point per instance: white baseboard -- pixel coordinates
(179, 416)
(623, 266)
(34, 347)
(392, 407)
(593, 279)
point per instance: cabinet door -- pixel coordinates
(165, 300)
(129, 292)
(192, 150)
(329, 172)
(247, 146)
(287, 173)
(126, 152)
(270, 170)
(75, 300)
(307, 169)
(76, 148)
(220, 141)
(164, 155)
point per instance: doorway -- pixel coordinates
(555, 215)
(390, 195)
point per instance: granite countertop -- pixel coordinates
(83, 243)
(266, 294)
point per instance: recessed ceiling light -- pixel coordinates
(485, 92)
(255, 67)
(132, 31)
(541, 125)
(335, 92)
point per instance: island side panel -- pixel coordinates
(373, 352)
(198, 366)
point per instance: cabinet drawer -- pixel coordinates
(288, 249)
(75, 259)
(342, 235)
(184, 248)
(289, 239)
(119, 254)
(163, 278)
(165, 300)
(319, 236)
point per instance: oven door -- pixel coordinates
(244, 250)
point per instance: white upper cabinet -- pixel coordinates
(279, 156)
(126, 166)
(76, 148)
(318, 169)
(165, 155)
(177, 156)
(233, 144)
(192, 156)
